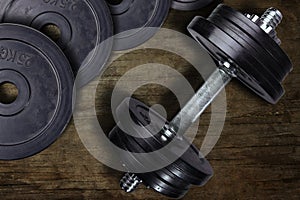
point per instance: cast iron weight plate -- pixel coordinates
(263, 39)
(222, 46)
(83, 25)
(190, 164)
(189, 169)
(132, 18)
(257, 51)
(187, 5)
(163, 181)
(44, 78)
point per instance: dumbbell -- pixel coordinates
(245, 47)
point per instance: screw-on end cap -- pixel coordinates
(129, 182)
(272, 17)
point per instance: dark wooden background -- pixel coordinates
(257, 156)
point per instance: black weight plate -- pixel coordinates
(132, 146)
(197, 170)
(114, 137)
(183, 171)
(119, 138)
(162, 181)
(257, 51)
(140, 114)
(127, 160)
(165, 175)
(44, 79)
(222, 47)
(188, 5)
(173, 179)
(258, 35)
(160, 186)
(83, 25)
(194, 164)
(132, 18)
(152, 144)
(129, 144)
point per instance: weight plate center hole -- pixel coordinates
(114, 2)
(52, 31)
(8, 93)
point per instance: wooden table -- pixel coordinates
(257, 156)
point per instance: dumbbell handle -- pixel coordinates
(201, 100)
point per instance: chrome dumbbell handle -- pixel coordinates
(201, 100)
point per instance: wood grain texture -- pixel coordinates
(257, 156)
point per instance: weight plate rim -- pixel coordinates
(254, 49)
(132, 145)
(196, 30)
(202, 175)
(168, 190)
(155, 180)
(87, 74)
(182, 172)
(143, 34)
(129, 161)
(175, 172)
(274, 49)
(65, 75)
(189, 6)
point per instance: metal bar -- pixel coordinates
(200, 101)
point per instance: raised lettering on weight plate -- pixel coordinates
(14, 56)
(64, 4)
